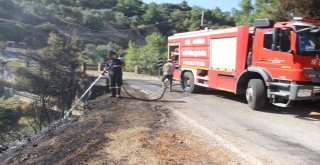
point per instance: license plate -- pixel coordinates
(304, 93)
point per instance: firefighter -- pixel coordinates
(114, 66)
(168, 69)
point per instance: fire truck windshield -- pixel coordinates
(308, 41)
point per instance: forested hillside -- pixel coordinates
(118, 21)
(101, 21)
(111, 24)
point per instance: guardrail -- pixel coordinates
(99, 67)
(95, 67)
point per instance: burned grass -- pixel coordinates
(118, 131)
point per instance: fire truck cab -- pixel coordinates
(271, 61)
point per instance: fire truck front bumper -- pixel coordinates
(294, 91)
(304, 92)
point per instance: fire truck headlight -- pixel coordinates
(304, 92)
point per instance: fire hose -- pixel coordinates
(141, 99)
(81, 97)
(94, 82)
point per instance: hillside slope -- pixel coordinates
(119, 131)
(100, 22)
(31, 22)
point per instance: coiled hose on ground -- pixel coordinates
(141, 99)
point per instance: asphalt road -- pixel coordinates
(270, 136)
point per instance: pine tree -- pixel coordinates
(287, 9)
(50, 77)
(244, 17)
(261, 9)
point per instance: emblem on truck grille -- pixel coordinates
(315, 61)
(276, 61)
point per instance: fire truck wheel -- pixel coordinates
(187, 83)
(256, 94)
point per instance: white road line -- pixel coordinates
(219, 139)
(139, 88)
(145, 92)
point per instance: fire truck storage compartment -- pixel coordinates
(214, 57)
(202, 77)
(174, 53)
(223, 62)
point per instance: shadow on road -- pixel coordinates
(305, 110)
(162, 101)
(142, 84)
(171, 101)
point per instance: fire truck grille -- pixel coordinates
(316, 91)
(313, 73)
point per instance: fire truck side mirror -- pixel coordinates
(315, 30)
(275, 39)
(160, 62)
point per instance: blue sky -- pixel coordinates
(224, 5)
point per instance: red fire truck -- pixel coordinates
(271, 61)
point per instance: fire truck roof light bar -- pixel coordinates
(263, 23)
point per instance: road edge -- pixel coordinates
(227, 145)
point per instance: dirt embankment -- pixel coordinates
(119, 131)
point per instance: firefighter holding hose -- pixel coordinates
(114, 66)
(168, 70)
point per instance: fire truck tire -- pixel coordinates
(256, 94)
(187, 83)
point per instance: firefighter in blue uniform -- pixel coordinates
(114, 66)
